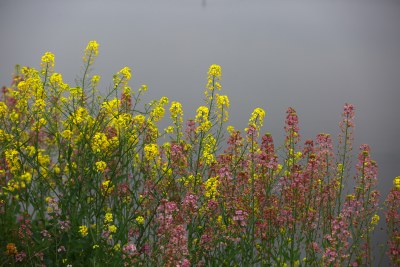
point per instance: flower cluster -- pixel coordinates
(87, 179)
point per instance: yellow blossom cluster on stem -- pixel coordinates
(202, 119)
(47, 60)
(151, 151)
(83, 230)
(210, 187)
(222, 107)
(107, 188)
(176, 112)
(122, 77)
(100, 143)
(91, 52)
(209, 149)
(158, 111)
(213, 78)
(257, 118)
(100, 166)
(396, 183)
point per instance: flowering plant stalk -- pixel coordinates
(89, 180)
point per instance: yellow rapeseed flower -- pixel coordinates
(95, 80)
(107, 188)
(211, 187)
(3, 109)
(122, 77)
(47, 60)
(215, 70)
(108, 218)
(100, 142)
(112, 228)
(257, 118)
(126, 73)
(202, 119)
(176, 112)
(396, 182)
(375, 219)
(223, 105)
(92, 47)
(100, 166)
(83, 230)
(67, 134)
(151, 151)
(140, 219)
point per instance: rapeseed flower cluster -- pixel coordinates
(151, 151)
(202, 119)
(396, 183)
(47, 60)
(211, 187)
(257, 118)
(91, 52)
(83, 230)
(89, 179)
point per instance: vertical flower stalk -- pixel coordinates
(346, 137)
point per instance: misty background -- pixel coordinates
(313, 55)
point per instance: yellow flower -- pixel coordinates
(126, 73)
(100, 166)
(100, 143)
(211, 187)
(111, 107)
(108, 217)
(67, 134)
(396, 182)
(122, 77)
(176, 112)
(140, 219)
(202, 119)
(117, 247)
(257, 118)
(56, 78)
(27, 177)
(3, 109)
(143, 88)
(209, 149)
(76, 92)
(12, 159)
(80, 115)
(223, 105)
(112, 228)
(375, 219)
(14, 116)
(92, 47)
(40, 104)
(350, 197)
(157, 113)
(95, 80)
(83, 230)
(47, 60)
(169, 129)
(340, 167)
(222, 100)
(107, 187)
(214, 75)
(215, 70)
(230, 129)
(151, 151)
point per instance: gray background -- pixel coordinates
(314, 55)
